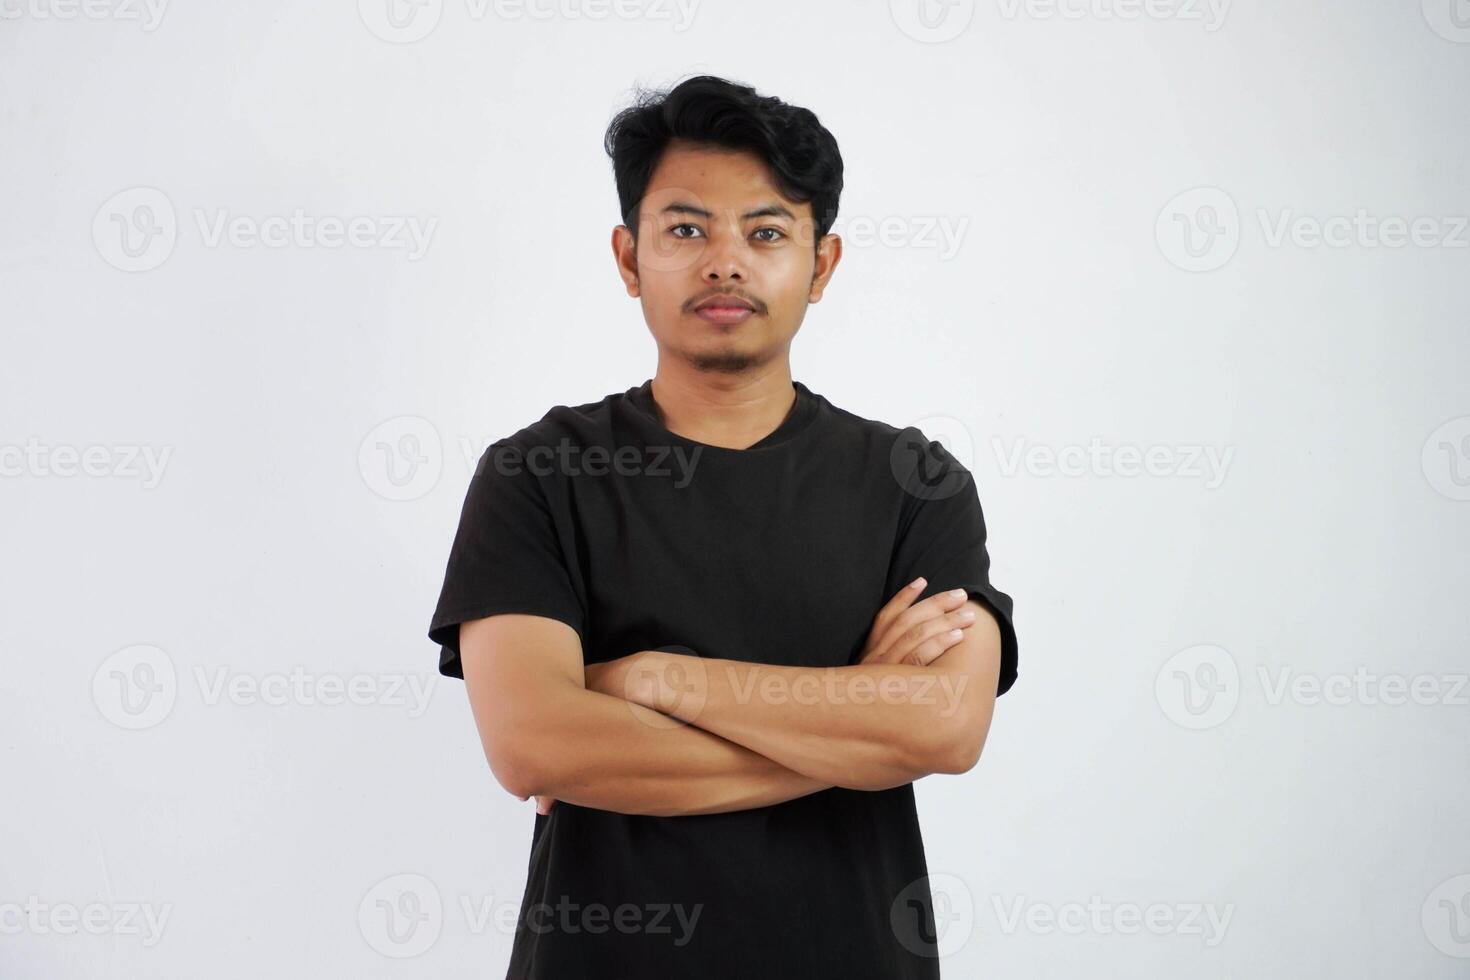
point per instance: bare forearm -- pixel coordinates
(597, 750)
(864, 726)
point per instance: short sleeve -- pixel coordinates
(942, 537)
(506, 556)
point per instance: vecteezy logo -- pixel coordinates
(400, 21)
(1198, 687)
(926, 467)
(135, 229)
(401, 459)
(933, 916)
(1446, 458)
(932, 21)
(681, 686)
(1446, 917)
(135, 687)
(1450, 19)
(1199, 230)
(401, 916)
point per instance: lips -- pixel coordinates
(724, 303)
(725, 316)
(725, 311)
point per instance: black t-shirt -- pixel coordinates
(782, 553)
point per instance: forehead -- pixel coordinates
(720, 179)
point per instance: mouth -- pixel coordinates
(724, 311)
(725, 315)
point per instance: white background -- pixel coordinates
(1147, 763)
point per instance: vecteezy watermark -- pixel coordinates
(828, 686)
(1363, 229)
(313, 689)
(666, 693)
(673, 919)
(406, 21)
(941, 233)
(401, 916)
(1363, 686)
(123, 461)
(1450, 19)
(1187, 461)
(137, 229)
(931, 458)
(937, 21)
(1200, 686)
(1097, 917)
(933, 916)
(404, 914)
(137, 687)
(147, 13)
(1210, 14)
(407, 233)
(1445, 458)
(676, 689)
(126, 919)
(1200, 230)
(932, 21)
(401, 458)
(567, 458)
(955, 914)
(1445, 917)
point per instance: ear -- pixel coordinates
(625, 254)
(829, 253)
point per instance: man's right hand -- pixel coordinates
(905, 632)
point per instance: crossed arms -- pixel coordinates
(666, 734)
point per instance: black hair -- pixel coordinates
(714, 111)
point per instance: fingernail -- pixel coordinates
(916, 582)
(958, 593)
(956, 634)
(967, 614)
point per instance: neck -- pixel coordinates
(728, 411)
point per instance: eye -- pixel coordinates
(676, 228)
(775, 231)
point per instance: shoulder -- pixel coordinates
(581, 424)
(915, 458)
(562, 426)
(929, 436)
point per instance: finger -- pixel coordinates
(934, 646)
(917, 645)
(934, 607)
(901, 600)
(931, 649)
(905, 643)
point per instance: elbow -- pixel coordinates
(528, 754)
(962, 756)
(517, 770)
(956, 745)
(515, 781)
(516, 747)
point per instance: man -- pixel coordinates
(714, 624)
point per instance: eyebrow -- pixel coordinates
(768, 211)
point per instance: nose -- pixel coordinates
(724, 257)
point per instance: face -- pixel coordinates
(712, 225)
